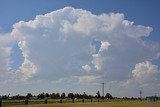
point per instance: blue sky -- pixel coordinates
(14, 11)
(39, 54)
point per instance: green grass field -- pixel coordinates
(97, 104)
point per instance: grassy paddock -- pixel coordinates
(96, 104)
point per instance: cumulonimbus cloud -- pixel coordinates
(63, 43)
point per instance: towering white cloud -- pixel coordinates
(145, 72)
(64, 42)
(145, 76)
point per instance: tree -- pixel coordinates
(71, 95)
(28, 95)
(53, 95)
(108, 96)
(47, 95)
(85, 95)
(98, 94)
(18, 97)
(77, 95)
(57, 96)
(63, 95)
(41, 96)
(4, 97)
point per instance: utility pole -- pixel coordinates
(102, 91)
(140, 93)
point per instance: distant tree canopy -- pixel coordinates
(108, 96)
(71, 95)
(53, 96)
(41, 96)
(47, 95)
(59, 96)
(98, 94)
(63, 95)
(28, 95)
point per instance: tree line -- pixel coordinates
(58, 96)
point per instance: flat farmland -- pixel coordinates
(95, 104)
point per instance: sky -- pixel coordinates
(75, 45)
